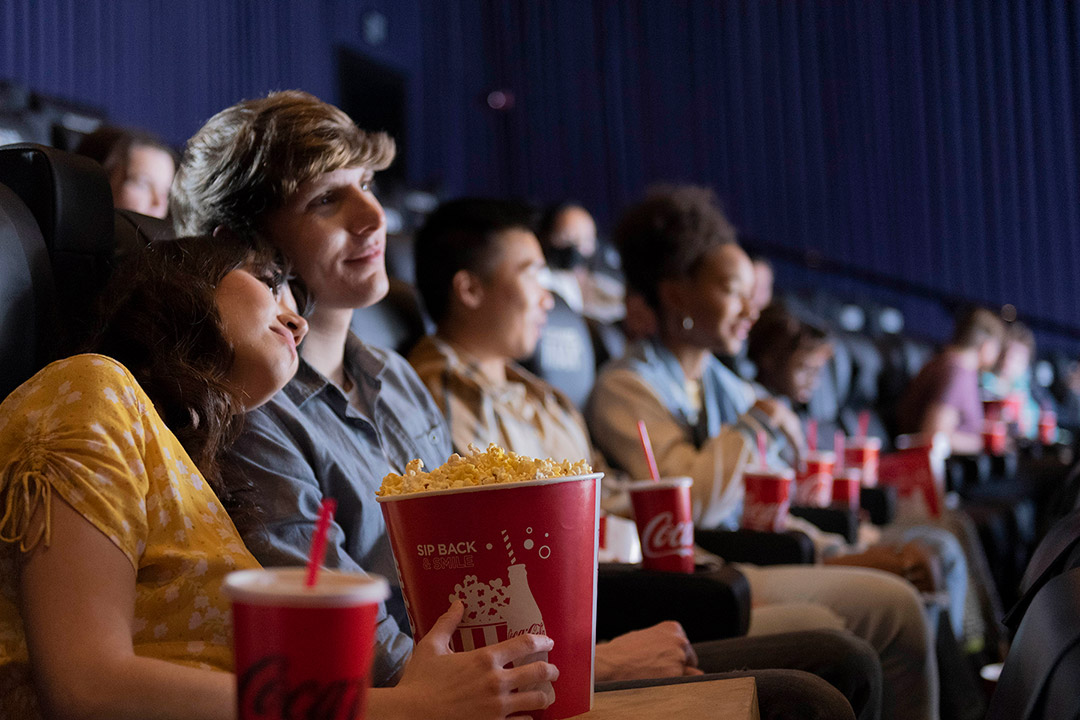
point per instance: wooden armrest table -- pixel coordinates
(732, 699)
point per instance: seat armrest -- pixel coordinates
(711, 603)
(757, 548)
(841, 521)
(879, 502)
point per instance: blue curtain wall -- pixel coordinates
(933, 142)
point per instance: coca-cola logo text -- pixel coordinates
(534, 629)
(663, 536)
(263, 691)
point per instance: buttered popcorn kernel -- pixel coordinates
(490, 467)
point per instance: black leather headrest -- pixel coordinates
(134, 230)
(564, 356)
(27, 295)
(70, 198)
(68, 194)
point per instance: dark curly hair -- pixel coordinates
(666, 236)
(160, 319)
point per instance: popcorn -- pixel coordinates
(490, 467)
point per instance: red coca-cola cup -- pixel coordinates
(767, 499)
(813, 486)
(303, 652)
(994, 410)
(664, 523)
(1047, 427)
(521, 556)
(863, 455)
(994, 433)
(846, 489)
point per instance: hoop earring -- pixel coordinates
(687, 323)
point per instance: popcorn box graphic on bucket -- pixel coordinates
(521, 557)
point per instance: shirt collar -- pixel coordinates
(363, 366)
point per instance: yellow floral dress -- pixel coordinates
(83, 428)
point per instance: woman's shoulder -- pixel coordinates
(90, 378)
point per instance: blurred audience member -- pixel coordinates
(680, 256)
(1010, 378)
(788, 353)
(567, 236)
(140, 167)
(944, 396)
(763, 284)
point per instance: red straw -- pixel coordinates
(646, 445)
(318, 543)
(761, 448)
(838, 449)
(811, 435)
(864, 425)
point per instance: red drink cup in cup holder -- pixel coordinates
(303, 651)
(846, 489)
(994, 437)
(664, 523)
(862, 454)
(1047, 427)
(813, 487)
(521, 556)
(767, 499)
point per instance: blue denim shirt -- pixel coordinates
(308, 443)
(712, 445)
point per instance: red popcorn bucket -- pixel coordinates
(813, 486)
(1047, 427)
(521, 556)
(864, 455)
(846, 489)
(303, 651)
(767, 500)
(994, 437)
(664, 523)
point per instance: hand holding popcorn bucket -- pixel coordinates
(519, 552)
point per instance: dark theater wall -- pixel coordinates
(931, 142)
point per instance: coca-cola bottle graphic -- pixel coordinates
(523, 616)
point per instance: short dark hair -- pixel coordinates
(666, 236)
(460, 235)
(779, 334)
(977, 325)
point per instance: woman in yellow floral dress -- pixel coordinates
(117, 520)
(116, 543)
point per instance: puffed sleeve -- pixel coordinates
(79, 428)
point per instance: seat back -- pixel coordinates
(564, 356)
(70, 200)
(27, 295)
(1038, 681)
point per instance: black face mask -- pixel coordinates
(565, 258)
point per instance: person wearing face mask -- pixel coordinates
(567, 234)
(680, 257)
(140, 167)
(478, 270)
